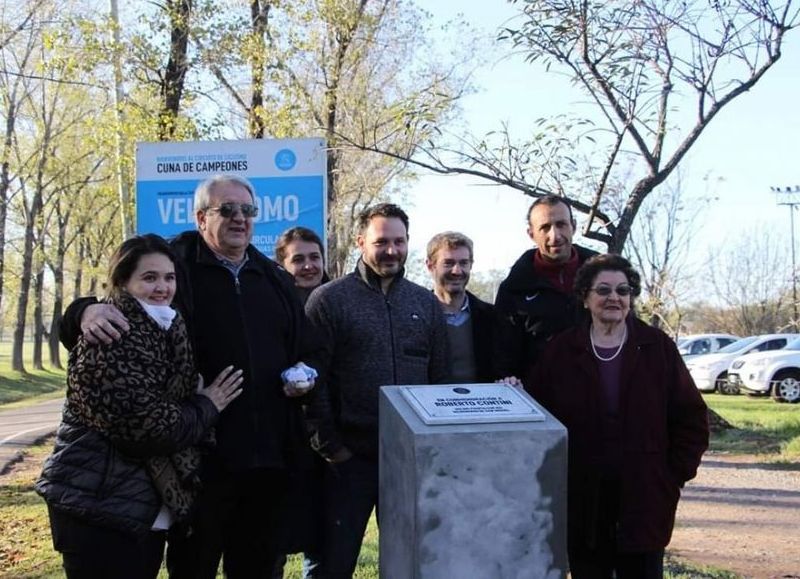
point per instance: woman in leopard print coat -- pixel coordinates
(127, 453)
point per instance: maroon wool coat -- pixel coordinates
(664, 422)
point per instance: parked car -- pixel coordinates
(710, 371)
(776, 373)
(699, 344)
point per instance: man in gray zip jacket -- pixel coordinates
(378, 329)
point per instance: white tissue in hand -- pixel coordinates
(295, 374)
(302, 385)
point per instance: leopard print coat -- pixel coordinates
(133, 391)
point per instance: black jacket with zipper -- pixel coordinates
(530, 311)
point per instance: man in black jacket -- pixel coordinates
(469, 320)
(241, 310)
(536, 301)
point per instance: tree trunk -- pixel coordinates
(259, 14)
(58, 298)
(179, 12)
(123, 186)
(77, 279)
(5, 180)
(38, 318)
(52, 338)
(24, 287)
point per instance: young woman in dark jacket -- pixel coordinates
(126, 458)
(636, 422)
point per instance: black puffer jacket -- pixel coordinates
(88, 478)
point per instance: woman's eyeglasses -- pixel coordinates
(605, 290)
(228, 210)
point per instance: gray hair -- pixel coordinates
(202, 195)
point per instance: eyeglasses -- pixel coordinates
(605, 290)
(228, 210)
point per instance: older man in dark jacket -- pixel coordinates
(241, 310)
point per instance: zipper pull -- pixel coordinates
(238, 286)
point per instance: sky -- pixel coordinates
(751, 146)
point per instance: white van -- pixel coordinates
(699, 344)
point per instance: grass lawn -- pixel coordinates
(34, 386)
(763, 426)
(26, 550)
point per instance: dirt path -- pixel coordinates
(742, 515)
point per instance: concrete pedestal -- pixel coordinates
(470, 501)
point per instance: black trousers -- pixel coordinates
(92, 552)
(350, 493)
(235, 519)
(593, 552)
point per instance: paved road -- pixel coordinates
(21, 427)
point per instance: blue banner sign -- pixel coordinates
(289, 176)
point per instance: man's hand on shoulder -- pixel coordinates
(103, 323)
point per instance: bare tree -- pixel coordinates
(742, 275)
(356, 66)
(641, 64)
(658, 247)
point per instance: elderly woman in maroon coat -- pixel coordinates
(637, 427)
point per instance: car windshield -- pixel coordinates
(793, 345)
(737, 345)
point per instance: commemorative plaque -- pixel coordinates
(471, 403)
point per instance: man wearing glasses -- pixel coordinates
(536, 301)
(469, 320)
(242, 311)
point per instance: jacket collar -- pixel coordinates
(372, 279)
(523, 277)
(191, 246)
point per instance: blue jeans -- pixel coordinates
(350, 491)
